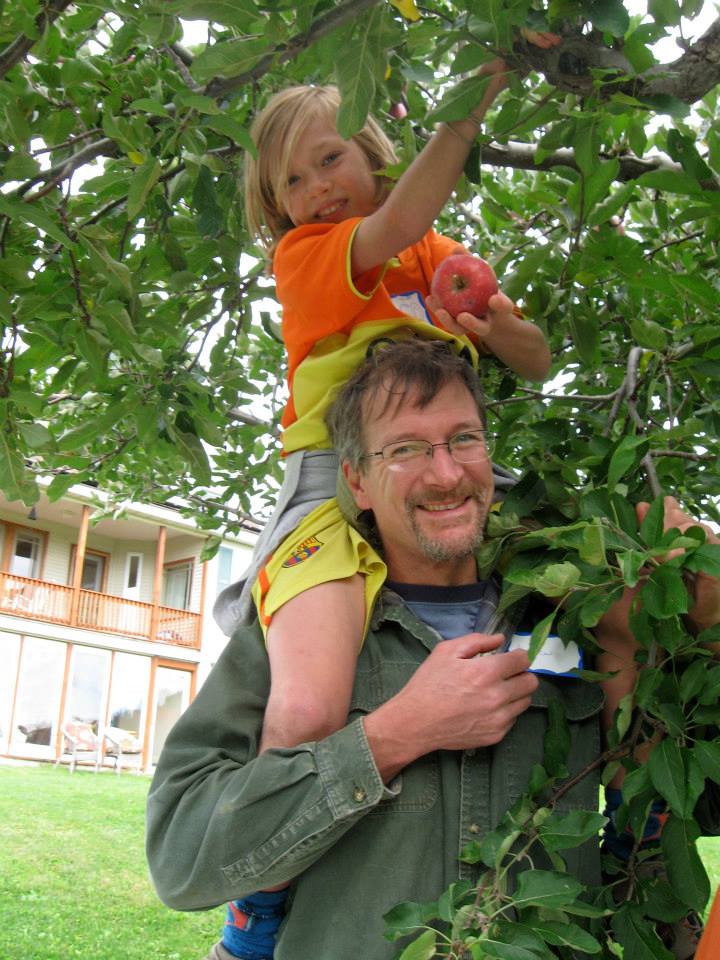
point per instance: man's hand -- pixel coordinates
(456, 700)
(705, 611)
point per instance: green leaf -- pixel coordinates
(648, 334)
(539, 635)
(194, 454)
(592, 548)
(625, 457)
(610, 16)
(670, 181)
(36, 436)
(586, 337)
(459, 101)
(35, 215)
(652, 527)
(707, 755)
(667, 773)
(356, 68)
(566, 935)
(544, 888)
(421, 949)
(487, 947)
(705, 559)
(144, 179)
(231, 13)
(597, 185)
(231, 128)
(664, 594)
(563, 831)
(555, 580)
(631, 563)
(211, 217)
(12, 469)
(228, 58)
(685, 869)
(406, 917)
(637, 936)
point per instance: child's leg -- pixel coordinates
(313, 642)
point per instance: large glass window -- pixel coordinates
(224, 568)
(172, 696)
(42, 666)
(128, 693)
(25, 560)
(9, 653)
(176, 585)
(88, 686)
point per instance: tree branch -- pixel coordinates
(521, 156)
(570, 65)
(336, 17)
(16, 50)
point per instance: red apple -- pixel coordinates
(464, 284)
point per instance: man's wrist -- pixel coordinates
(391, 739)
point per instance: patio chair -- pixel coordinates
(79, 743)
(120, 744)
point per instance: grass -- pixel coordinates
(73, 878)
(74, 883)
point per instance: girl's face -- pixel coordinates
(329, 179)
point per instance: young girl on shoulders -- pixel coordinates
(353, 257)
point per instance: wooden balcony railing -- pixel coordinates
(40, 600)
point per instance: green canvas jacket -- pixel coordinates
(222, 822)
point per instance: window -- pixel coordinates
(93, 572)
(133, 573)
(224, 567)
(176, 585)
(42, 666)
(10, 651)
(87, 687)
(128, 693)
(172, 697)
(25, 561)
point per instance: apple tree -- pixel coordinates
(140, 347)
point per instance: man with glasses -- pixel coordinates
(439, 740)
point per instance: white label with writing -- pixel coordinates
(555, 657)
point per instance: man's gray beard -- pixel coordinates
(439, 551)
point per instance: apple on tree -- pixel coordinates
(463, 283)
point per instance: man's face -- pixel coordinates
(431, 516)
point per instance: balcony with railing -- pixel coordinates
(56, 603)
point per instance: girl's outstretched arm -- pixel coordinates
(423, 190)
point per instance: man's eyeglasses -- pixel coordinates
(470, 446)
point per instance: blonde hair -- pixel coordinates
(275, 133)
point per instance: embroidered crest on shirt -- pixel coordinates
(303, 552)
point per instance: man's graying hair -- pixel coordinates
(420, 367)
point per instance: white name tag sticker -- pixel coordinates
(555, 657)
(412, 304)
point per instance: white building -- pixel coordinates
(107, 623)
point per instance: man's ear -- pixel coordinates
(356, 484)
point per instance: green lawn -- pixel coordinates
(73, 879)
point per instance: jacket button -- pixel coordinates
(359, 795)
(474, 828)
